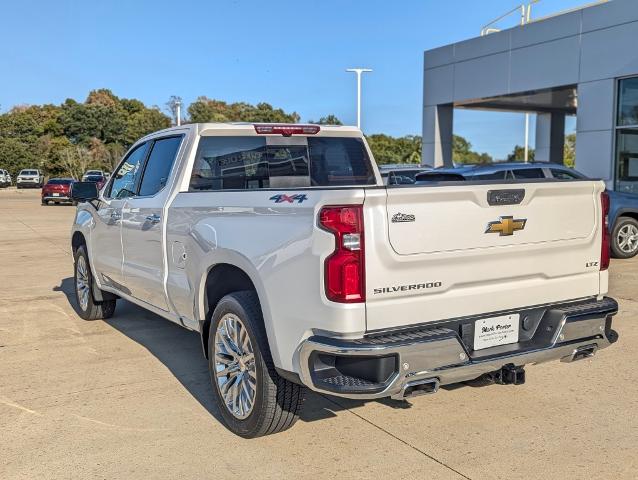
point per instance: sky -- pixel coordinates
(290, 53)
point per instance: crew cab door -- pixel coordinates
(143, 225)
(106, 236)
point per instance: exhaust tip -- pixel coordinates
(586, 351)
(421, 387)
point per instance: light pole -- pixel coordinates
(358, 71)
(178, 113)
(526, 157)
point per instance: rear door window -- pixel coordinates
(246, 163)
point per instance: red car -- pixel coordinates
(57, 190)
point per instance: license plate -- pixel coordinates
(489, 332)
(56, 194)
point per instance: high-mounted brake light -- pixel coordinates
(287, 130)
(344, 269)
(605, 245)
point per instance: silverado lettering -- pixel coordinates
(404, 288)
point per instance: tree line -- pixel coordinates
(68, 139)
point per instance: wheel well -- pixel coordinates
(633, 215)
(77, 241)
(222, 279)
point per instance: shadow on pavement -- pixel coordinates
(180, 351)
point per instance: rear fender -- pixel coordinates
(233, 258)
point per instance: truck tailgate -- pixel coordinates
(455, 250)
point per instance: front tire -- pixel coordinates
(624, 238)
(252, 398)
(87, 307)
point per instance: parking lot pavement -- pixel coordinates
(130, 397)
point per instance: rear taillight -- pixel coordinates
(344, 269)
(605, 246)
(287, 130)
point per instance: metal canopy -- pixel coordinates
(559, 99)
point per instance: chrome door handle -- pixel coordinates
(115, 215)
(155, 218)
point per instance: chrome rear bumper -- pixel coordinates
(383, 364)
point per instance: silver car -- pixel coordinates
(5, 178)
(30, 178)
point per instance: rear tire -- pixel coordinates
(87, 307)
(624, 238)
(251, 396)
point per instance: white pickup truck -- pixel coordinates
(281, 245)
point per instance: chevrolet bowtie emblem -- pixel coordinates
(506, 226)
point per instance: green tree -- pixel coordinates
(205, 109)
(462, 152)
(16, 155)
(83, 121)
(569, 155)
(45, 136)
(518, 154)
(144, 122)
(387, 149)
(328, 120)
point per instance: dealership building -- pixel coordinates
(583, 62)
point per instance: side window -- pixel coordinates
(563, 174)
(126, 177)
(229, 163)
(159, 165)
(527, 173)
(340, 161)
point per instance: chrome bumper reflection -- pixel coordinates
(446, 358)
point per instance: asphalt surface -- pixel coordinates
(130, 397)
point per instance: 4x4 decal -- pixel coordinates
(283, 198)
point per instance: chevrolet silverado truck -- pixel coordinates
(298, 267)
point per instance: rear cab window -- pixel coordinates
(246, 163)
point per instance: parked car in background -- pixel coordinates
(91, 173)
(623, 224)
(99, 179)
(30, 178)
(400, 174)
(57, 190)
(5, 178)
(514, 171)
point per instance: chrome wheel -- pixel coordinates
(235, 366)
(628, 238)
(82, 282)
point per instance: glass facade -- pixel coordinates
(627, 136)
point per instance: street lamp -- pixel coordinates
(178, 113)
(358, 71)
